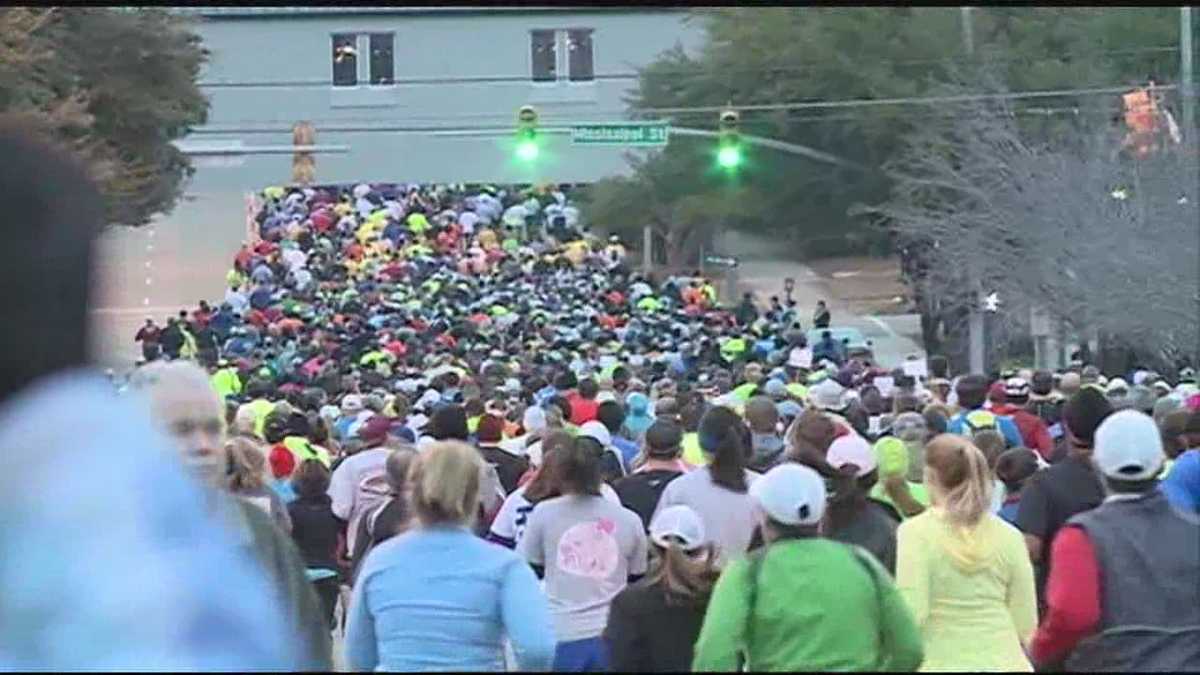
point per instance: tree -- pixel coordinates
(668, 191)
(116, 85)
(768, 55)
(1102, 241)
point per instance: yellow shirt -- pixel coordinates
(971, 593)
(692, 454)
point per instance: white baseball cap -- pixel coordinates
(1128, 446)
(792, 494)
(852, 449)
(596, 431)
(352, 403)
(681, 523)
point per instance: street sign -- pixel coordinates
(644, 134)
(720, 261)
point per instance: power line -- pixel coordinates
(281, 126)
(919, 100)
(229, 126)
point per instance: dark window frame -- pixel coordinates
(345, 72)
(372, 77)
(590, 33)
(551, 75)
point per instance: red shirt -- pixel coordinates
(1034, 431)
(322, 221)
(396, 347)
(583, 410)
(290, 325)
(1072, 597)
(242, 261)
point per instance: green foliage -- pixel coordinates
(116, 85)
(767, 55)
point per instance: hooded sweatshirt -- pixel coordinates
(970, 591)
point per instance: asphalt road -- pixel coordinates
(893, 337)
(159, 269)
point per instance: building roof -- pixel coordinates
(238, 12)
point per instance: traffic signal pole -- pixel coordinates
(1186, 87)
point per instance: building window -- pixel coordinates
(383, 62)
(345, 60)
(544, 49)
(579, 55)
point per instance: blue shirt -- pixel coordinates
(1007, 427)
(443, 599)
(111, 561)
(628, 449)
(1182, 485)
(284, 489)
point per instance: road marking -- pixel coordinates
(845, 275)
(882, 325)
(149, 281)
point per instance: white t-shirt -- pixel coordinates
(513, 516)
(468, 220)
(728, 516)
(589, 548)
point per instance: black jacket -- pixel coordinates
(509, 467)
(645, 634)
(315, 531)
(640, 492)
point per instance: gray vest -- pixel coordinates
(1149, 559)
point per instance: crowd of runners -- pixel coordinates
(450, 433)
(494, 445)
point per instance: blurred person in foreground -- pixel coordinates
(963, 571)
(111, 560)
(440, 598)
(182, 400)
(804, 602)
(1123, 594)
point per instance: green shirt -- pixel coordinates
(918, 490)
(744, 392)
(816, 607)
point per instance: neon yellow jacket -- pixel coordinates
(971, 592)
(226, 382)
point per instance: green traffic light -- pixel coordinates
(729, 157)
(527, 150)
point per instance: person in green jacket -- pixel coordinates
(226, 380)
(804, 602)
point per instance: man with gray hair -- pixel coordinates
(188, 409)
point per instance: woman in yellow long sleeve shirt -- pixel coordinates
(964, 572)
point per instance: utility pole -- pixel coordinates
(647, 249)
(976, 353)
(1186, 87)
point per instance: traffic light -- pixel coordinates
(527, 134)
(729, 144)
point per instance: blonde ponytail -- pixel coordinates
(961, 480)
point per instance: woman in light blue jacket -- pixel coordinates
(440, 598)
